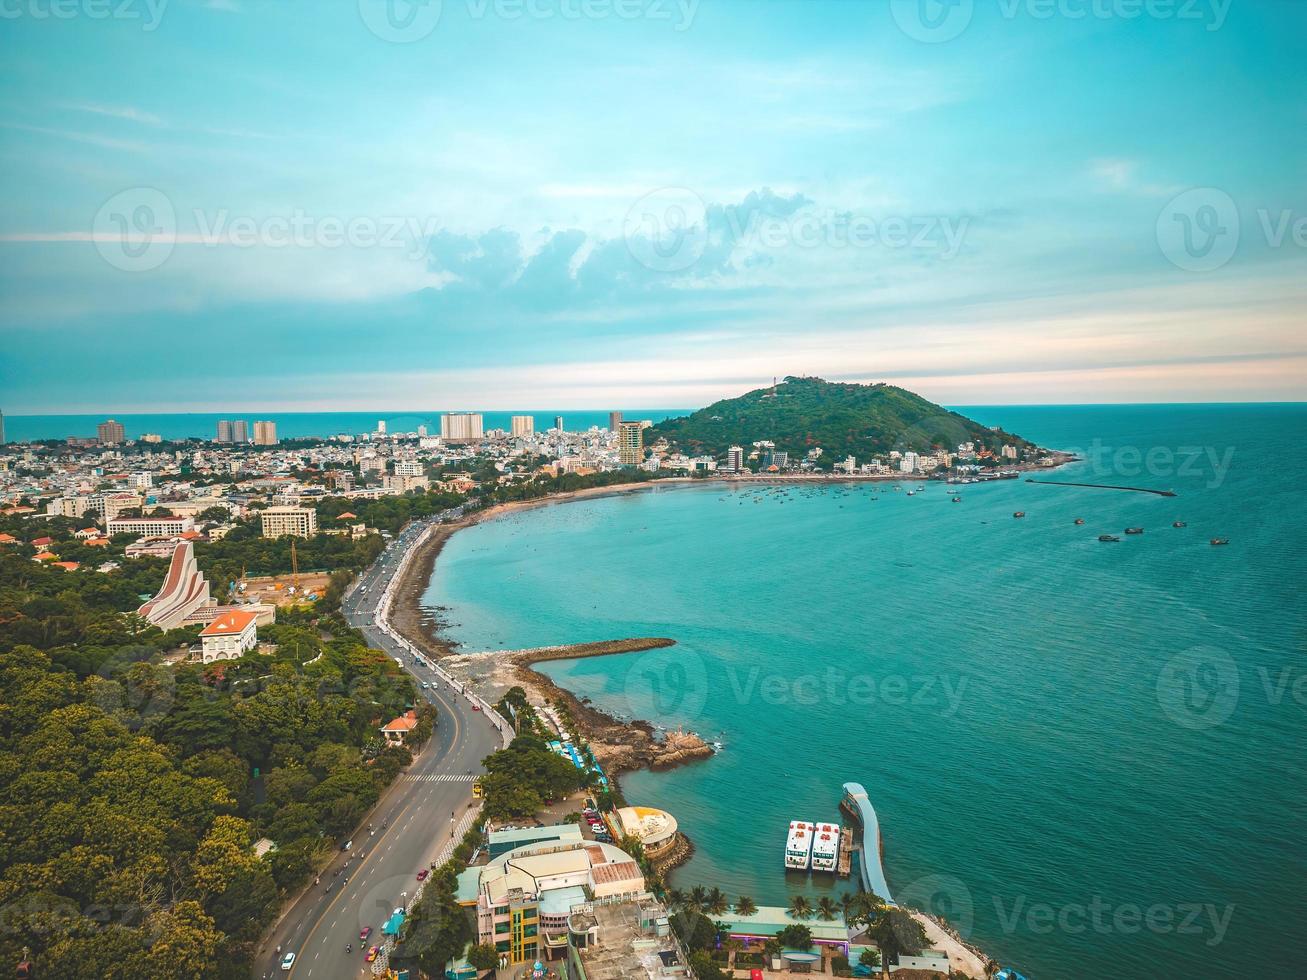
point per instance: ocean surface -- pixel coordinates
(296, 425)
(1089, 756)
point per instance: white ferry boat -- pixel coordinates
(798, 846)
(825, 847)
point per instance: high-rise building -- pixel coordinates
(240, 431)
(614, 420)
(523, 425)
(299, 521)
(2, 428)
(461, 427)
(558, 422)
(422, 431)
(735, 459)
(630, 443)
(224, 431)
(265, 433)
(381, 427)
(110, 433)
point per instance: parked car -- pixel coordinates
(422, 875)
(372, 954)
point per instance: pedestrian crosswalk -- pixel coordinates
(440, 777)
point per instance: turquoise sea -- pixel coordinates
(1088, 756)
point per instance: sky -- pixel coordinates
(306, 205)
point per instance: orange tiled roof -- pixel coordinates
(227, 624)
(404, 723)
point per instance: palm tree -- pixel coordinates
(848, 905)
(744, 905)
(676, 899)
(800, 907)
(826, 908)
(697, 900)
(716, 903)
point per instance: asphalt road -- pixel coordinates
(425, 812)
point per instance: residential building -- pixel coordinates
(110, 433)
(240, 433)
(630, 443)
(459, 427)
(408, 467)
(558, 422)
(68, 506)
(908, 464)
(224, 431)
(299, 521)
(735, 459)
(381, 427)
(523, 425)
(140, 481)
(614, 420)
(1009, 452)
(153, 527)
(265, 433)
(184, 590)
(229, 637)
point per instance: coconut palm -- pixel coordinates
(717, 902)
(676, 899)
(826, 908)
(697, 900)
(744, 905)
(800, 907)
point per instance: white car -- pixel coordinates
(288, 961)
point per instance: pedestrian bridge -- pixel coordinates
(859, 807)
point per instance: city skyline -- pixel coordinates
(960, 215)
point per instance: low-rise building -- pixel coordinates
(395, 731)
(229, 637)
(299, 521)
(152, 527)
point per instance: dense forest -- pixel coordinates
(841, 419)
(135, 790)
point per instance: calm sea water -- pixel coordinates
(295, 425)
(1088, 756)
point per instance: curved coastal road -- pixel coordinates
(378, 874)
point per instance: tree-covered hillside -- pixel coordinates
(842, 419)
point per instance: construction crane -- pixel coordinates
(294, 566)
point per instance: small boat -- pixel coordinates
(1220, 541)
(1134, 530)
(1179, 524)
(1108, 537)
(1080, 520)
(1020, 513)
(957, 500)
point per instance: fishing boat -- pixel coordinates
(1080, 520)
(1020, 513)
(1108, 537)
(957, 500)
(1179, 524)
(1220, 540)
(1134, 530)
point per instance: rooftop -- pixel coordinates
(229, 623)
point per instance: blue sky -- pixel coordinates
(314, 204)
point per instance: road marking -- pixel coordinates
(441, 777)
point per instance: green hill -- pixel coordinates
(843, 419)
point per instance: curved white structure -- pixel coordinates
(184, 590)
(873, 875)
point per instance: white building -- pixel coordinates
(461, 427)
(408, 467)
(152, 527)
(735, 459)
(908, 464)
(230, 636)
(523, 425)
(299, 521)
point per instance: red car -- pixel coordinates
(422, 875)
(364, 933)
(372, 954)
(476, 707)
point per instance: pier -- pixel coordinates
(1103, 486)
(845, 865)
(858, 806)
